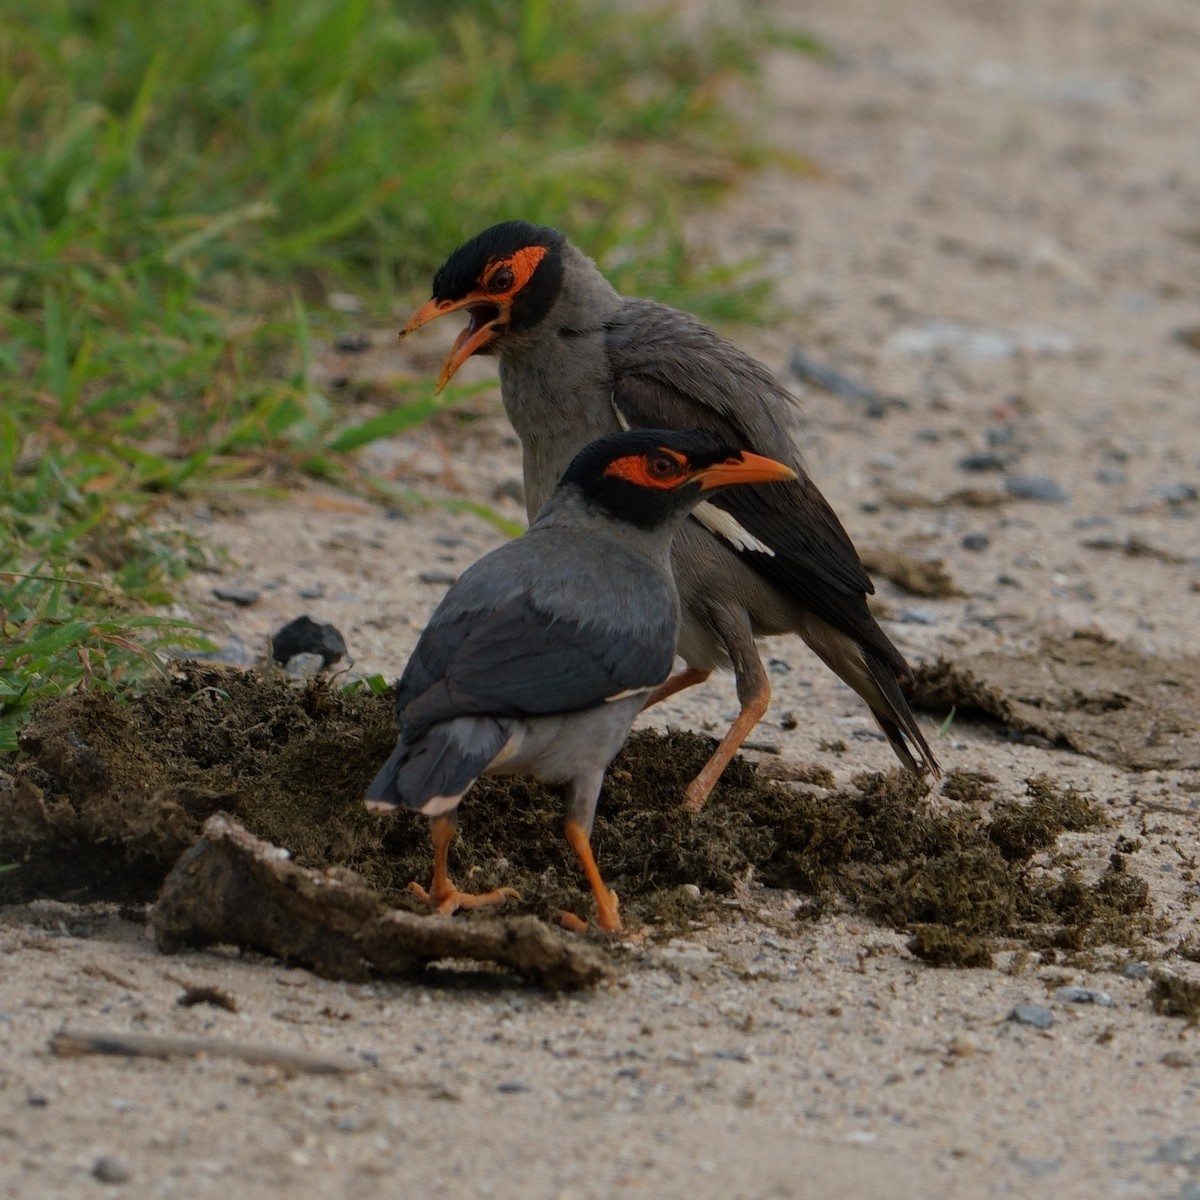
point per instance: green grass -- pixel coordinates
(183, 186)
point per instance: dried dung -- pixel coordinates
(1111, 702)
(917, 576)
(110, 793)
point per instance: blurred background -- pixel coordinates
(193, 196)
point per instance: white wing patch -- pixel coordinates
(725, 525)
(710, 516)
(624, 424)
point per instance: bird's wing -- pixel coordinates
(786, 532)
(521, 660)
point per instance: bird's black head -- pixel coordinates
(507, 278)
(647, 477)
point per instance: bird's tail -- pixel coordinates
(431, 773)
(897, 719)
(876, 679)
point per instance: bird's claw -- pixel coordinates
(607, 918)
(448, 899)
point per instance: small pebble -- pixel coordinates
(243, 597)
(777, 666)
(345, 302)
(510, 1087)
(1177, 1059)
(304, 666)
(1177, 493)
(986, 461)
(689, 891)
(315, 591)
(1135, 970)
(110, 1170)
(353, 342)
(1035, 487)
(1082, 995)
(789, 721)
(917, 616)
(1032, 1014)
(965, 1045)
(976, 541)
(441, 578)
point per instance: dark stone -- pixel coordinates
(1035, 487)
(1032, 1014)
(243, 597)
(353, 342)
(976, 541)
(306, 636)
(981, 462)
(110, 1170)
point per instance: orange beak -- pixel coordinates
(489, 318)
(746, 468)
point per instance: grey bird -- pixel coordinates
(541, 655)
(579, 360)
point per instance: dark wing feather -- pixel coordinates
(815, 562)
(520, 660)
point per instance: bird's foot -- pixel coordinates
(571, 923)
(697, 792)
(607, 917)
(447, 899)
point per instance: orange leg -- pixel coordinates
(606, 901)
(442, 895)
(752, 710)
(688, 677)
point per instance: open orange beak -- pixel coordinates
(746, 468)
(489, 319)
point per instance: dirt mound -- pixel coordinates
(111, 793)
(1111, 702)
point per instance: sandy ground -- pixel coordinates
(1004, 234)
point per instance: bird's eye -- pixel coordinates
(661, 466)
(501, 280)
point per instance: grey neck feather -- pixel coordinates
(554, 378)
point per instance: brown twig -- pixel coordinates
(68, 1043)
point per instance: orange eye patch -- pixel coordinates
(519, 266)
(660, 469)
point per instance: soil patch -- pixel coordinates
(1111, 702)
(917, 576)
(112, 793)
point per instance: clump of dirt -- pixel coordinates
(917, 576)
(1111, 702)
(1019, 831)
(1176, 997)
(111, 793)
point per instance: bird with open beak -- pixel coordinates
(541, 655)
(578, 361)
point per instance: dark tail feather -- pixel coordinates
(443, 762)
(899, 722)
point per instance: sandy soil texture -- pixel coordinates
(1000, 243)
